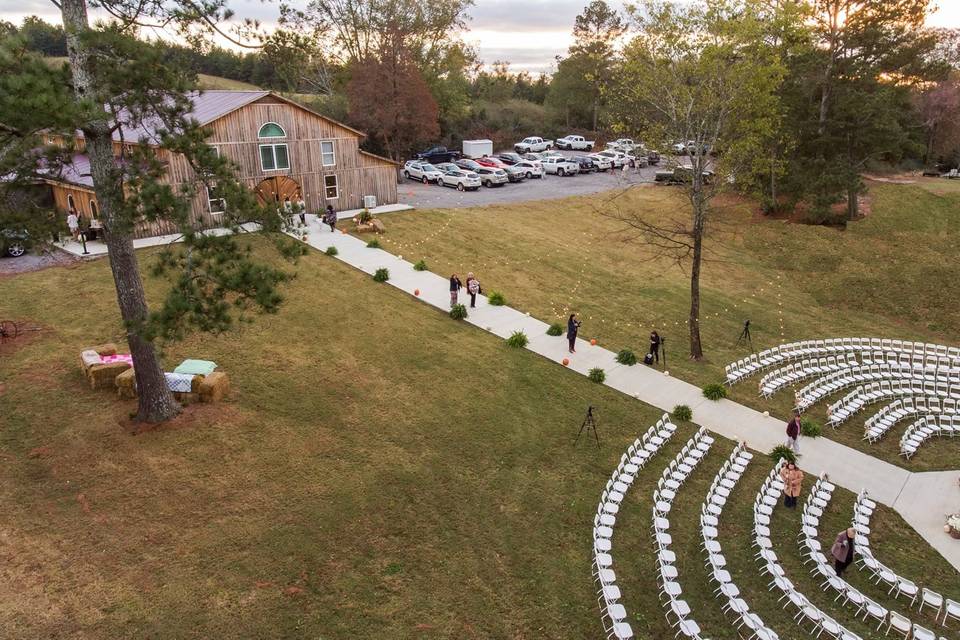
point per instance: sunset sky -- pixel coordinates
(526, 33)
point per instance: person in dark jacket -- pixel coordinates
(793, 433)
(843, 551)
(455, 286)
(573, 326)
(330, 218)
(655, 346)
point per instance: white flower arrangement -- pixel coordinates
(954, 521)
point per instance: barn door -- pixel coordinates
(278, 189)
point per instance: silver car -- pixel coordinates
(491, 177)
(462, 180)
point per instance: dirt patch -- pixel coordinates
(26, 333)
(895, 179)
(191, 417)
(36, 262)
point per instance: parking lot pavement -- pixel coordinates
(431, 196)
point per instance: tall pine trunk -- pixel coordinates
(699, 213)
(155, 401)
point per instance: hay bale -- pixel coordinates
(105, 375)
(214, 387)
(377, 225)
(105, 349)
(126, 384)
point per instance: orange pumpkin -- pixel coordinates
(416, 292)
(566, 361)
(593, 342)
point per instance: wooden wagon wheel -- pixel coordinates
(8, 330)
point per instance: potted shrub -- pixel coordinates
(458, 312)
(597, 374)
(627, 357)
(381, 275)
(555, 330)
(682, 413)
(518, 339)
(715, 391)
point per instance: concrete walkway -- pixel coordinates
(923, 499)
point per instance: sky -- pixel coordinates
(528, 34)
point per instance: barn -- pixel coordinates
(282, 150)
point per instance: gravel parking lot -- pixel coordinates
(431, 196)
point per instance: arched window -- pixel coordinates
(94, 211)
(272, 130)
(71, 206)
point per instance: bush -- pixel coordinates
(373, 244)
(715, 391)
(810, 428)
(555, 330)
(682, 412)
(597, 375)
(518, 340)
(381, 274)
(364, 216)
(496, 299)
(458, 312)
(627, 357)
(783, 452)
(332, 251)
(420, 265)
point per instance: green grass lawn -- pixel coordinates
(378, 471)
(890, 275)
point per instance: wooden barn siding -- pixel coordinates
(81, 198)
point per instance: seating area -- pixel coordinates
(922, 383)
(928, 427)
(798, 371)
(884, 420)
(678, 612)
(613, 613)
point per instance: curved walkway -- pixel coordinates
(923, 499)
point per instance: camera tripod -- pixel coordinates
(745, 335)
(590, 424)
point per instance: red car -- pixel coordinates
(487, 161)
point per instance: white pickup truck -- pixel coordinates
(533, 145)
(575, 143)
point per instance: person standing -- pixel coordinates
(73, 223)
(302, 209)
(330, 218)
(792, 482)
(573, 327)
(655, 346)
(843, 551)
(455, 286)
(793, 433)
(473, 288)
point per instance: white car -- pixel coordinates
(560, 166)
(422, 171)
(532, 144)
(462, 180)
(622, 144)
(575, 143)
(617, 158)
(492, 176)
(602, 162)
(530, 168)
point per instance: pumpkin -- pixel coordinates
(416, 292)
(593, 342)
(566, 361)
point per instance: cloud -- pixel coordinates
(529, 16)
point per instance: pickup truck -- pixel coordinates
(575, 143)
(624, 145)
(682, 174)
(532, 145)
(436, 155)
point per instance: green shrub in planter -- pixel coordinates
(810, 428)
(420, 265)
(517, 339)
(496, 299)
(373, 244)
(715, 391)
(682, 412)
(381, 274)
(627, 357)
(555, 330)
(597, 375)
(332, 251)
(458, 312)
(783, 452)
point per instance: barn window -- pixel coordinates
(71, 206)
(272, 130)
(274, 157)
(326, 154)
(330, 187)
(215, 203)
(94, 211)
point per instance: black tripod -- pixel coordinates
(589, 423)
(745, 335)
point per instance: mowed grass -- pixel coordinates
(378, 471)
(890, 275)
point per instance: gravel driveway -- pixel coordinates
(34, 262)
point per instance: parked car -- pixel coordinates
(510, 157)
(462, 180)
(617, 158)
(680, 175)
(434, 155)
(560, 166)
(532, 157)
(622, 144)
(534, 144)
(602, 162)
(530, 169)
(422, 171)
(515, 175)
(575, 143)
(492, 177)
(443, 167)
(468, 164)
(585, 164)
(653, 157)
(681, 147)
(14, 243)
(487, 161)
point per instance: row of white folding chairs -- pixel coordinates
(831, 346)
(797, 371)
(613, 614)
(927, 427)
(766, 501)
(678, 612)
(884, 420)
(844, 378)
(817, 502)
(872, 392)
(710, 512)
